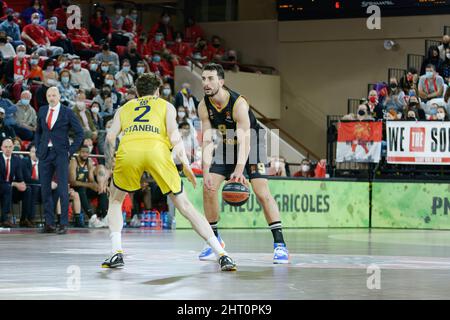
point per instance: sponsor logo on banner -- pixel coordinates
(426, 142)
(359, 141)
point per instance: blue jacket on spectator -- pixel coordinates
(11, 30)
(10, 110)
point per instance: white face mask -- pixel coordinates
(448, 55)
(277, 165)
(35, 21)
(77, 67)
(305, 167)
(140, 70)
(119, 11)
(181, 114)
(95, 110)
(52, 27)
(90, 148)
(440, 116)
(21, 54)
(94, 67)
(109, 82)
(62, 65)
(166, 92)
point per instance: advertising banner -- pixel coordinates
(421, 142)
(410, 205)
(302, 204)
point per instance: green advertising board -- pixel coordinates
(302, 204)
(410, 205)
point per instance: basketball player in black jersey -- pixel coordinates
(241, 147)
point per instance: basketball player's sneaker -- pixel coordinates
(94, 222)
(280, 254)
(226, 263)
(208, 253)
(115, 261)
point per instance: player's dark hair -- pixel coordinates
(147, 84)
(217, 67)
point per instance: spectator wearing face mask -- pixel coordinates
(157, 45)
(363, 113)
(166, 93)
(131, 26)
(37, 37)
(431, 85)
(84, 45)
(432, 112)
(124, 78)
(433, 58)
(163, 26)
(199, 51)
(58, 38)
(85, 118)
(12, 30)
(180, 49)
(375, 108)
(81, 77)
(277, 167)
(66, 90)
(106, 55)
(186, 99)
(395, 98)
(305, 169)
(100, 25)
(108, 91)
(25, 117)
(161, 68)
(48, 67)
(35, 9)
(96, 117)
(192, 31)
(6, 49)
(18, 69)
(442, 114)
(94, 72)
(36, 72)
(141, 68)
(131, 55)
(215, 51)
(415, 106)
(410, 80)
(189, 140)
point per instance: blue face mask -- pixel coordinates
(433, 112)
(158, 38)
(156, 59)
(126, 69)
(25, 102)
(65, 80)
(429, 74)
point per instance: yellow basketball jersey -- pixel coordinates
(144, 119)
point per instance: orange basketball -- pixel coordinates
(235, 193)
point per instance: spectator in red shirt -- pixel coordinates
(305, 169)
(162, 26)
(100, 25)
(84, 45)
(61, 14)
(131, 26)
(142, 47)
(18, 71)
(36, 37)
(157, 44)
(57, 37)
(160, 67)
(181, 49)
(192, 31)
(214, 50)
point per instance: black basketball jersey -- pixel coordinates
(223, 121)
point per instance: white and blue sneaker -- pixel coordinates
(208, 253)
(280, 254)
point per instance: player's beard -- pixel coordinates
(213, 94)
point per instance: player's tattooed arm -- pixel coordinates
(110, 141)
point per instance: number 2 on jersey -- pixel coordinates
(139, 117)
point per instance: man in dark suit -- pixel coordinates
(54, 151)
(10, 176)
(31, 196)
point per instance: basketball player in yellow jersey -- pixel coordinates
(150, 130)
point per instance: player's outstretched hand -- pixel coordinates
(239, 177)
(103, 183)
(190, 175)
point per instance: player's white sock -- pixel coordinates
(115, 223)
(116, 241)
(215, 245)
